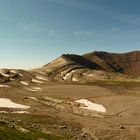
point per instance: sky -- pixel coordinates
(34, 32)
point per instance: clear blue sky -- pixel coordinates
(34, 32)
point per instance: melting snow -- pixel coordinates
(34, 89)
(24, 83)
(33, 98)
(13, 71)
(92, 106)
(41, 78)
(20, 74)
(4, 86)
(12, 79)
(68, 74)
(74, 79)
(6, 75)
(90, 75)
(36, 81)
(21, 112)
(86, 74)
(9, 104)
(16, 112)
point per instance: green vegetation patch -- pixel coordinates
(7, 133)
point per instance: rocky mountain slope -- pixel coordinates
(75, 68)
(128, 63)
(93, 66)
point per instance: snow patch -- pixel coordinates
(20, 74)
(91, 75)
(33, 98)
(16, 112)
(12, 79)
(24, 83)
(41, 78)
(4, 86)
(34, 89)
(68, 75)
(86, 74)
(4, 102)
(5, 75)
(92, 106)
(20, 112)
(36, 81)
(13, 71)
(74, 79)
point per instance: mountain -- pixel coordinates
(93, 66)
(128, 63)
(34, 105)
(79, 68)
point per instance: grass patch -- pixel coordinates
(7, 133)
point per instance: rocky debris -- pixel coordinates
(54, 100)
(122, 127)
(55, 105)
(63, 127)
(21, 129)
(14, 126)
(6, 75)
(85, 112)
(4, 71)
(69, 106)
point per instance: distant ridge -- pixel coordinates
(127, 63)
(80, 68)
(96, 65)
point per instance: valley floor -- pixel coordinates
(55, 114)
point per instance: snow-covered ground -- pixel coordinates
(33, 98)
(37, 81)
(24, 83)
(34, 89)
(92, 106)
(4, 86)
(20, 112)
(7, 103)
(13, 71)
(20, 74)
(74, 79)
(6, 75)
(16, 112)
(68, 75)
(41, 78)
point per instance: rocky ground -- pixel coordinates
(55, 114)
(91, 105)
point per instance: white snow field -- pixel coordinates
(91, 106)
(7, 103)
